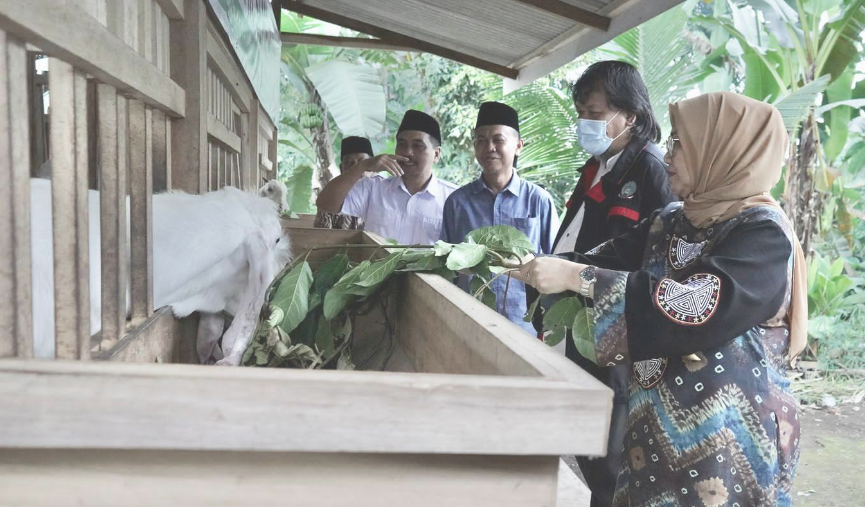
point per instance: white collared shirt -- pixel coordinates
(568, 240)
(389, 210)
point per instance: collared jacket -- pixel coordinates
(635, 187)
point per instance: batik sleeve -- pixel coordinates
(736, 286)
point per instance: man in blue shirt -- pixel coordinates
(500, 197)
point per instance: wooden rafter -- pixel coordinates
(571, 12)
(398, 38)
(343, 42)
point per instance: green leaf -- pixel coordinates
(299, 190)
(354, 96)
(444, 272)
(839, 91)
(344, 291)
(441, 248)
(466, 255)
(428, 263)
(530, 312)
(292, 296)
(324, 338)
(794, 107)
(584, 336)
(502, 238)
(327, 275)
(379, 271)
(560, 317)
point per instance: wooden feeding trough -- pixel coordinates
(473, 411)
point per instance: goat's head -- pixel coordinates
(276, 191)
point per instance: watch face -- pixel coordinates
(588, 274)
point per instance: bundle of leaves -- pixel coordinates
(308, 317)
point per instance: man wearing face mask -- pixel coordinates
(407, 206)
(623, 182)
(352, 150)
(500, 197)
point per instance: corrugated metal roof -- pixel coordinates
(520, 39)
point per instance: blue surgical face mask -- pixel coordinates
(593, 137)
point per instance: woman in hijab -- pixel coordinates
(707, 314)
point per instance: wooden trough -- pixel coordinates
(473, 411)
(148, 94)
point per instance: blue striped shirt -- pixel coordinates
(522, 205)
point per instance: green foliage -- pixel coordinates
(292, 296)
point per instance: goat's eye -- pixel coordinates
(277, 239)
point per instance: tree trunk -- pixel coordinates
(322, 143)
(803, 202)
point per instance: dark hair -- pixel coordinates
(625, 89)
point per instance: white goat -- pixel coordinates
(276, 191)
(211, 253)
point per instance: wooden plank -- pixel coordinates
(315, 39)
(69, 210)
(158, 339)
(166, 40)
(227, 69)
(159, 48)
(190, 407)
(16, 319)
(189, 67)
(83, 43)
(203, 479)
(398, 38)
(161, 168)
(145, 29)
(130, 24)
(112, 205)
(247, 175)
(221, 133)
(252, 150)
(141, 210)
(572, 12)
(173, 9)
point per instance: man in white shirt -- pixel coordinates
(406, 207)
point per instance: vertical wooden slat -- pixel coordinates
(252, 156)
(145, 29)
(140, 209)
(160, 167)
(243, 156)
(189, 70)
(116, 17)
(112, 187)
(130, 23)
(68, 145)
(159, 48)
(166, 41)
(271, 151)
(16, 323)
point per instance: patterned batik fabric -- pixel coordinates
(325, 220)
(716, 428)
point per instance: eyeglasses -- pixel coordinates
(671, 143)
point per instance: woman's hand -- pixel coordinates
(551, 275)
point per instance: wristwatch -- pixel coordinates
(587, 277)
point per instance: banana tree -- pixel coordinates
(320, 85)
(793, 53)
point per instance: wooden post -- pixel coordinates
(189, 70)
(141, 209)
(161, 167)
(112, 205)
(68, 145)
(16, 320)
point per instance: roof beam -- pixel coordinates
(343, 42)
(571, 12)
(398, 38)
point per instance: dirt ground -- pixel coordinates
(831, 469)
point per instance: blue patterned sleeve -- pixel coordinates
(608, 316)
